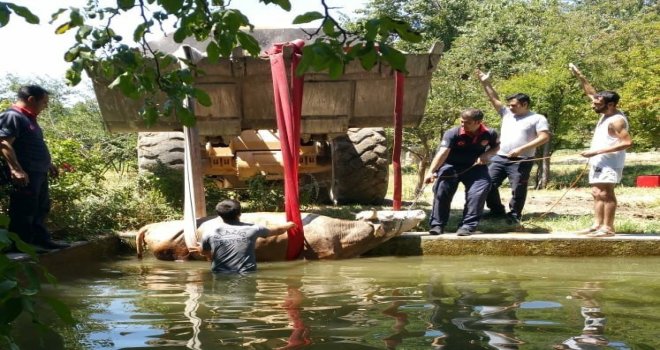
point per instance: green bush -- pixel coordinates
(20, 288)
(133, 201)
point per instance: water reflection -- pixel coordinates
(476, 316)
(400, 322)
(293, 306)
(592, 336)
(394, 303)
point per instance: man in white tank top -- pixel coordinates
(606, 155)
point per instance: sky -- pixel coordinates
(41, 51)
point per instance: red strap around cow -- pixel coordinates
(288, 107)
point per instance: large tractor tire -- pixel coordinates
(160, 150)
(360, 165)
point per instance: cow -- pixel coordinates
(325, 237)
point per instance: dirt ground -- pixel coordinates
(579, 201)
(633, 203)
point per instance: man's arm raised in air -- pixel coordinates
(588, 89)
(484, 79)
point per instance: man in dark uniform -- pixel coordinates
(462, 157)
(23, 147)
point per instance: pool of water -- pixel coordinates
(469, 302)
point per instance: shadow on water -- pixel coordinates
(376, 303)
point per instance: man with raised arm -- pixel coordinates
(521, 132)
(230, 243)
(606, 154)
(462, 157)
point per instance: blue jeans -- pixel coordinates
(501, 168)
(476, 181)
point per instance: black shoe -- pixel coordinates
(512, 218)
(436, 230)
(52, 245)
(462, 231)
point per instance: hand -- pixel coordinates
(483, 77)
(195, 249)
(514, 153)
(574, 70)
(20, 178)
(53, 171)
(430, 178)
(290, 224)
(482, 160)
(588, 154)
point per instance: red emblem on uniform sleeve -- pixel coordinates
(460, 143)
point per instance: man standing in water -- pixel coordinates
(229, 243)
(521, 132)
(606, 155)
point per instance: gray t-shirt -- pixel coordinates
(517, 131)
(232, 245)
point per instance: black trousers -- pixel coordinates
(28, 209)
(476, 182)
(501, 168)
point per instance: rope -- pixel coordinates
(573, 184)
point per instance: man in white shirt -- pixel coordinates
(521, 132)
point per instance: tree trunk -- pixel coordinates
(543, 172)
(423, 167)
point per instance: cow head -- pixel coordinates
(391, 223)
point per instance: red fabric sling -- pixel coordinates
(288, 107)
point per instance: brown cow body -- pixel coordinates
(325, 237)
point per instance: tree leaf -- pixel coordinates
(6, 286)
(249, 43)
(10, 309)
(213, 52)
(409, 35)
(329, 28)
(125, 4)
(25, 13)
(4, 15)
(171, 6)
(284, 4)
(336, 68)
(61, 310)
(202, 97)
(185, 116)
(369, 58)
(308, 17)
(180, 35)
(138, 34)
(394, 57)
(72, 54)
(63, 28)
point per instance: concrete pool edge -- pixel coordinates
(416, 244)
(506, 244)
(519, 244)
